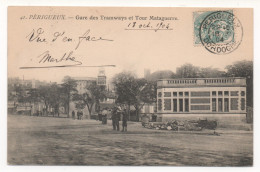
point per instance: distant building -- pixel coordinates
(16, 81)
(82, 84)
(101, 80)
(147, 73)
(37, 83)
(23, 87)
(201, 98)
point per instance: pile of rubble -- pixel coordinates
(177, 125)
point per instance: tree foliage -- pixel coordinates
(50, 95)
(92, 95)
(68, 87)
(134, 91)
(188, 71)
(161, 74)
(243, 69)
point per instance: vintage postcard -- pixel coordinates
(130, 86)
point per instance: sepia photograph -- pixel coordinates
(130, 86)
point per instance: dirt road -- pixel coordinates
(61, 141)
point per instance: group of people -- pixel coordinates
(79, 115)
(116, 113)
(45, 112)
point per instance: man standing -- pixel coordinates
(117, 119)
(113, 117)
(78, 114)
(104, 115)
(124, 119)
(73, 114)
(100, 115)
(81, 115)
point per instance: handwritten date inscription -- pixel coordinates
(148, 26)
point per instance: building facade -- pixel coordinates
(82, 84)
(17, 86)
(102, 79)
(202, 97)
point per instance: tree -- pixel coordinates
(243, 69)
(33, 96)
(55, 97)
(191, 71)
(50, 95)
(68, 87)
(134, 91)
(145, 93)
(93, 94)
(19, 95)
(123, 83)
(188, 71)
(161, 74)
(209, 72)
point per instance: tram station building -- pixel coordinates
(210, 98)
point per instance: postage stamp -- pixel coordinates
(220, 32)
(198, 17)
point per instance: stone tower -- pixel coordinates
(101, 80)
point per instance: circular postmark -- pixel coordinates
(221, 32)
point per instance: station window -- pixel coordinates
(220, 93)
(214, 93)
(167, 104)
(174, 94)
(234, 104)
(167, 94)
(180, 105)
(159, 104)
(214, 105)
(186, 105)
(220, 106)
(181, 94)
(226, 105)
(200, 94)
(234, 93)
(243, 104)
(174, 105)
(226, 93)
(242, 93)
(186, 93)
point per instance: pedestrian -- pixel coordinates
(52, 112)
(73, 114)
(100, 115)
(105, 119)
(78, 114)
(104, 115)
(81, 115)
(57, 111)
(124, 120)
(117, 119)
(113, 117)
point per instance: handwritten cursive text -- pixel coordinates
(46, 57)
